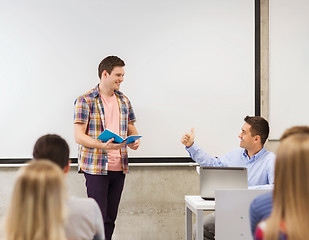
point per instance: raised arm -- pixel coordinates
(199, 155)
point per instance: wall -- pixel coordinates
(288, 62)
(152, 206)
(271, 145)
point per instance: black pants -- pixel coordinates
(106, 190)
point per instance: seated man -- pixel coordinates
(261, 206)
(251, 154)
(84, 216)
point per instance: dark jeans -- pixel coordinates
(106, 190)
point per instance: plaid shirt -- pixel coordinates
(88, 109)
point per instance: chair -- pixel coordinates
(232, 213)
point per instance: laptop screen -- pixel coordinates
(212, 178)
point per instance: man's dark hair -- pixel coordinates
(259, 126)
(109, 63)
(54, 148)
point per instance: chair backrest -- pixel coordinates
(232, 213)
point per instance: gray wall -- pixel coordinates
(152, 206)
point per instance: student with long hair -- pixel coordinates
(289, 218)
(84, 216)
(261, 206)
(37, 210)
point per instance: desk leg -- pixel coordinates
(188, 224)
(199, 225)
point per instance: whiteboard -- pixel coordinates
(188, 64)
(289, 65)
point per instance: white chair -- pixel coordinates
(232, 213)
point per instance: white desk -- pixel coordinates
(196, 205)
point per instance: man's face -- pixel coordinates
(114, 79)
(246, 139)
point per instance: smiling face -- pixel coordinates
(246, 139)
(113, 80)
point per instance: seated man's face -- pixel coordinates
(246, 138)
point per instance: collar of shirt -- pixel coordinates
(96, 92)
(254, 157)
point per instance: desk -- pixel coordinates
(196, 205)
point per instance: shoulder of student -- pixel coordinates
(84, 218)
(81, 205)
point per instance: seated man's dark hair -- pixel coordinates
(259, 126)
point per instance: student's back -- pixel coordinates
(84, 219)
(289, 218)
(260, 209)
(84, 216)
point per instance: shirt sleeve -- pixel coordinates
(132, 117)
(260, 209)
(254, 219)
(81, 110)
(204, 159)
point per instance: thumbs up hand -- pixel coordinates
(188, 138)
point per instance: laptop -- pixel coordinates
(213, 178)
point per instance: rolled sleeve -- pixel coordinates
(132, 117)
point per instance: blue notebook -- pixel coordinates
(107, 134)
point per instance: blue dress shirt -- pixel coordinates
(260, 167)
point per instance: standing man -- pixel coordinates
(251, 154)
(105, 164)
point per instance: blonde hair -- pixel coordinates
(291, 191)
(36, 211)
